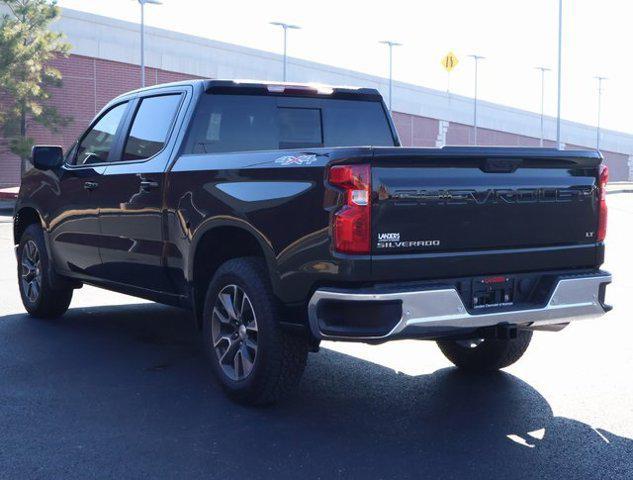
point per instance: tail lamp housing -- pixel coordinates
(603, 179)
(351, 223)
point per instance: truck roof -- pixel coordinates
(264, 87)
(255, 87)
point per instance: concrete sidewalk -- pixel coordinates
(620, 187)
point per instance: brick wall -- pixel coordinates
(89, 83)
(617, 163)
(416, 131)
(423, 132)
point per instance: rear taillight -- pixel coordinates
(351, 224)
(602, 195)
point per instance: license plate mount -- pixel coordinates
(493, 291)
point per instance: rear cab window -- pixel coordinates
(234, 123)
(299, 127)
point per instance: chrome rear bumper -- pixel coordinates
(427, 313)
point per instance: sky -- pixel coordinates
(515, 36)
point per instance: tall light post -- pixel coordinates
(600, 80)
(390, 44)
(142, 3)
(476, 58)
(543, 70)
(560, 68)
(286, 27)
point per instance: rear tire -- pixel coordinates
(488, 355)
(255, 361)
(40, 298)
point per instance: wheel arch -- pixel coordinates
(24, 217)
(217, 242)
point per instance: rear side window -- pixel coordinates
(233, 123)
(150, 127)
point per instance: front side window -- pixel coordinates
(150, 127)
(96, 144)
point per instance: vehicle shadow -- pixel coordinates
(123, 392)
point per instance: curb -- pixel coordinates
(9, 193)
(6, 206)
(620, 187)
(8, 196)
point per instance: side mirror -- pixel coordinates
(47, 157)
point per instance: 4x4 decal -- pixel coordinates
(296, 160)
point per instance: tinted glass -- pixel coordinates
(150, 127)
(352, 123)
(96, 144)
(231, 123)
(299, 127)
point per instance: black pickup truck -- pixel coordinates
(282, 215)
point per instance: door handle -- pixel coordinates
(147, 185)
(90, 185)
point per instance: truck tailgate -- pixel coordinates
(465, 199)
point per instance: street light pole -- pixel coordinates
(543, 70)
(476, 58)
(285, 27)
(600, 80)
(390, 44)
(560, 62)
(142, 3)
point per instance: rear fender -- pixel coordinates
(214, 223)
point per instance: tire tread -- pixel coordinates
(286, 353)
(53, 302)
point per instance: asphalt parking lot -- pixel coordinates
(118, 388)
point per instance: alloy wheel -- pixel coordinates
(234, 332)
(31, 271)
